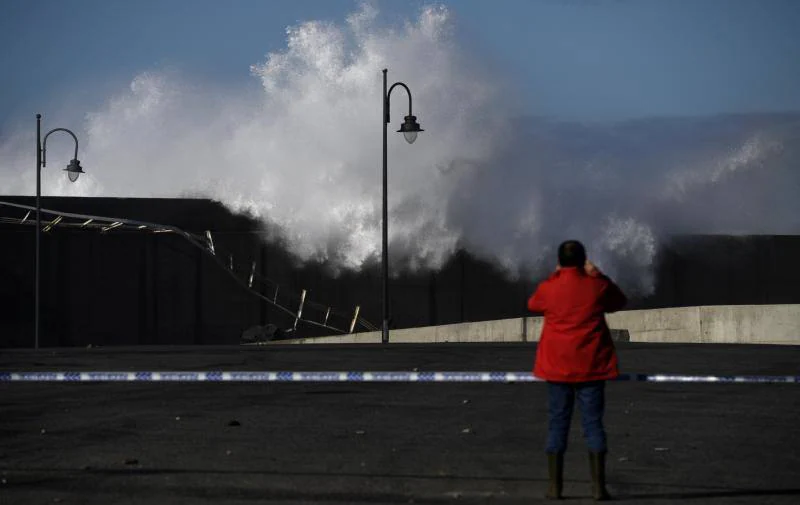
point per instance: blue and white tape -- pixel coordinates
(356, 376)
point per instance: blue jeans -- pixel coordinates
(591, 398)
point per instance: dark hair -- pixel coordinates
(571, 254)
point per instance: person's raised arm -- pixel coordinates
(536, 302)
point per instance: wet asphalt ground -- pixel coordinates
(234, 443)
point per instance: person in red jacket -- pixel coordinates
(576, 355)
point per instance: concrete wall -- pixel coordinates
(722, 324)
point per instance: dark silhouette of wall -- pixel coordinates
(726, 270)
(134, 288)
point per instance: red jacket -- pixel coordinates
(576, 344)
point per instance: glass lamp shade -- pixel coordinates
(74, 170)
(410, 128)
(410, 137)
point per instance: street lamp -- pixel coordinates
(410, 128)
(73, 170)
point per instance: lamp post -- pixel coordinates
(73, 170)
(409, 128)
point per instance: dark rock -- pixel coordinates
(256, 334)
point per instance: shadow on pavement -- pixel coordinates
(707, 494)
(227, 487)
(267, 473)
(67, 478)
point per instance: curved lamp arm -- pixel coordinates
(389, 94)
(44, 144)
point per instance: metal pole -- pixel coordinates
(38, 222)
(385, 247)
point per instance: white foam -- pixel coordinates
(304, 154)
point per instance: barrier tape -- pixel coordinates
(284, 376)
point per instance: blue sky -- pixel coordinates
(572, 59)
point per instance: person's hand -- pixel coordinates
(591, 269)
(558, 267)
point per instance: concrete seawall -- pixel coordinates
(719, 324)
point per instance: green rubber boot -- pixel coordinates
(597, 463)
(555, 469)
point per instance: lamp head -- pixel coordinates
(74, 170)
(410, 128)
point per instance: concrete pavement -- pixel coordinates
(390, 443)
